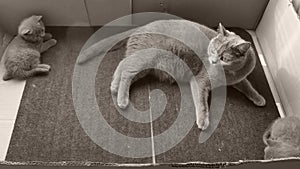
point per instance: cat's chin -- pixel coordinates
(224, 63)
(220, 62)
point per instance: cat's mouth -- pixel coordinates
(224, 63)
(218, 61)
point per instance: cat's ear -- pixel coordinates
(243, 47)
(222, 30)
(39, 17)
(26, 31)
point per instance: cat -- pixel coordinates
(22, 56)
(226, 48)
(282, 138)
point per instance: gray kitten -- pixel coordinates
(282, 138)
(22, 57)
(226, 48)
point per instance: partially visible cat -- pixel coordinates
(282, 138)
(22, 56)
(226, 48)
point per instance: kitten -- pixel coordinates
(22, 56)
(282, 138)
(226, 48)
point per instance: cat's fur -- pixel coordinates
(226, 48)
(22, 56)
(282, 138)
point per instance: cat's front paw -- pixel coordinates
(48, 67)
(202, 123)
(47, 36)
(259, 101)
(123, 102)
(52, 42)
(43, 70)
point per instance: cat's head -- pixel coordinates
(227, 49)
(32, 28)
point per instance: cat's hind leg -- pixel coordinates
(117, 76)
(126, 72)
(24, 74)
(7, 76)
(247, 89)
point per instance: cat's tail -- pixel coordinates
(103, 45)
(92, 52)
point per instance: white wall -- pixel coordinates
(62, 12)
(235, 13)
(238, 13)
(104, 11)
(279, 36)
(55, 12)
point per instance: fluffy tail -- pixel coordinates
(103, 45)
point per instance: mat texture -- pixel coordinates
(48, 130)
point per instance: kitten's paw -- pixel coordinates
(123, 103)
(53, 42)
(6, 77)
(203, 123)
(45, 67)
(260, 101)
(43, 70)
(48, 36)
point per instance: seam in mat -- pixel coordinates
(152, 130)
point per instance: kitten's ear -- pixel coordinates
(26, 31)
(39, 17)
(222, 30)
(243, 47)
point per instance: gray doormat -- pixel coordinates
(47, 128)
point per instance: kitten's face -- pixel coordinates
(282, 139)
(32, 27)
(228, 49)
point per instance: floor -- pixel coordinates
(14, 89)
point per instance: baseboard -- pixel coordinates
(268, 74)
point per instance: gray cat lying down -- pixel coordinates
(226, 48)
(22, 57)
(282, 138)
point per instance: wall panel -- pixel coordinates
(233, 13)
